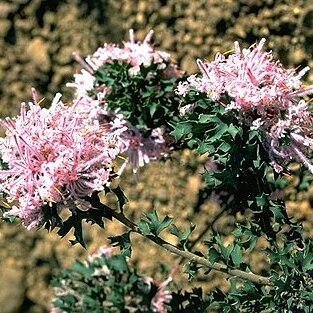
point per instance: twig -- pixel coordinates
(186, 254)
(207, 226)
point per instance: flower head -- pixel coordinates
(141, 150)
(136, 53)
(140, 146)
(53, 155)
(265, 95)
(102, 251)
(163, 296)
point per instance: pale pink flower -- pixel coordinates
(162, 297)
(265, 95)
(251, 78)
(54, 155)
(141, 150)
(83, 82)
(138, 149)
(295, 124)
(102, 251)
(182, 88)
(136, 53)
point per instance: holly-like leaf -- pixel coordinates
(144, 227)
(154, 224)
(182, 236)
(122, 199)
(183, 129)
(122, 241)
(236, 255)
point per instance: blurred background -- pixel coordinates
(37, 39)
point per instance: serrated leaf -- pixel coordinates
(204, 118)
(66, 227)
(155, 225)
(153, 108)
(307, 263)
(285, 261)
(182, 236)
(191, 268)
(224, 147)
(260, 201)
(227, 251)
(213, 255)
(277, 212)
(236, 255)
(144, 227)
(78, 232)
(203, 148)
(122, 199)
(182, 129)
(233, 130)
(122, 241)
(166, 222)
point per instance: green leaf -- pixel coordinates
(82, 269)
(191, 268)
(224, 147)
(122, 241)
(285, 261)
(182, 236)
(236, 255)
(213, 255)
(278, 213)
(233, 130)
(307, 263)
(227, 251)
(122, 199)
(261, 201)
(153, 108)
(182, 129)
(78, 232)
(204, 147)
(144, 227)
(155, 225)
(75, 222)
(166, 222)
(204, 118)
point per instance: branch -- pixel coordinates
(208, 225)
(183, 253)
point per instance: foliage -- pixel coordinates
(147, 100)
(107, 283)
(103, 284)
(245, 112)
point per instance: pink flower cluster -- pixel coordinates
(266, 96)
(100, 252)
(250, 77)
(141, 150)
(54, 155)
(138, 149)
(136, 53)
(163, 296)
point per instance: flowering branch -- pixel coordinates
(208, 225)
(244, 109)
(180, 252)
